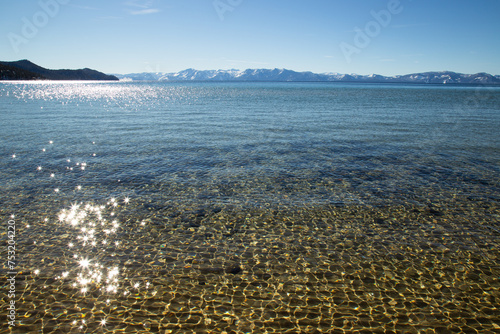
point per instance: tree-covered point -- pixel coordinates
(26, 70)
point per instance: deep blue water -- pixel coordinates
(313, 142)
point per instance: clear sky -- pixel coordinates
(385, 37)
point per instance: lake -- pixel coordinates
(252, 207)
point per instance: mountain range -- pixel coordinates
(445, 77)
(26, 70)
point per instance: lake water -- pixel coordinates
(252, 207)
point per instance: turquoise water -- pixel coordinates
(220, 184)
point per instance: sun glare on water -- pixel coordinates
(92, 269)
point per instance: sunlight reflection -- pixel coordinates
(93, 231)
(72, 93)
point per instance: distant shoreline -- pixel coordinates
(284, 75)
(415, 84)
(26, 70)
(319, 82)
(23, 70)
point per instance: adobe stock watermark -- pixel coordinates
(469, 102)
(483, 93)
(12, 272)
(31, 27)
(224, 6)
(149, 67)
(371, 30)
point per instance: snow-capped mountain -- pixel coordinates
(450, 78)
(445, 77)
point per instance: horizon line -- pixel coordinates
(261, 68)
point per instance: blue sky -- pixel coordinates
(350, 36)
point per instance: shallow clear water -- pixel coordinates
(249, 207)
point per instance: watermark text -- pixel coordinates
(371, 30)
(11, 273)
(31, 26)
(224, 6)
